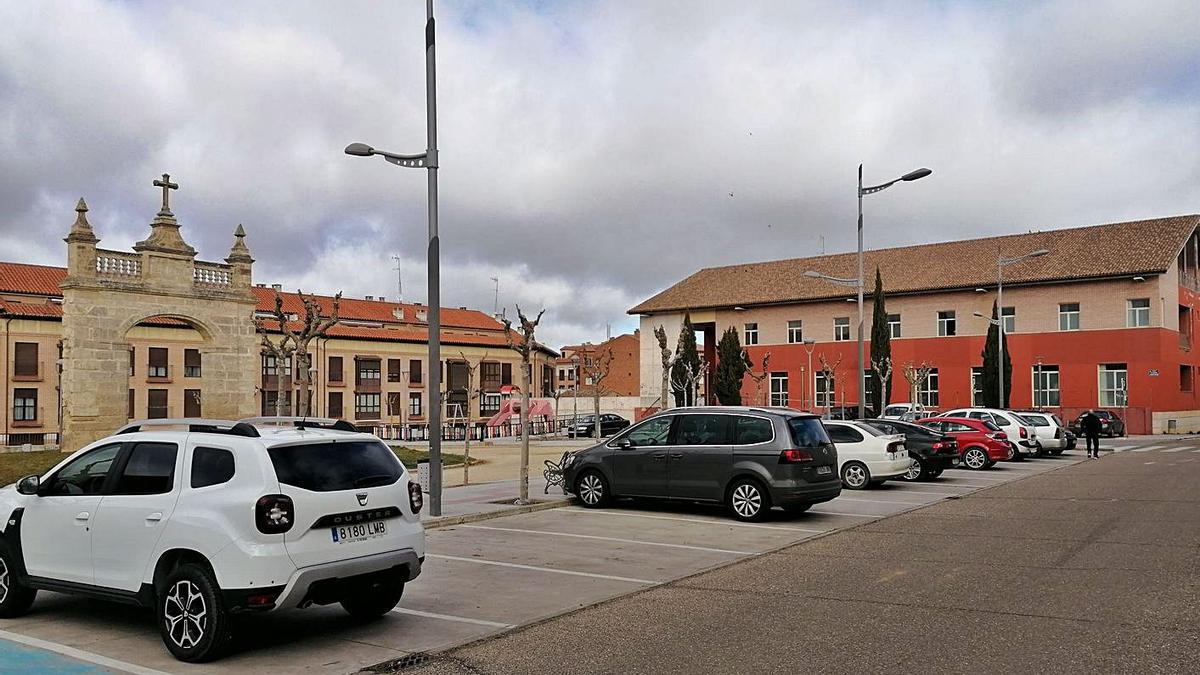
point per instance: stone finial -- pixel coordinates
(239, 252)
(81, 231)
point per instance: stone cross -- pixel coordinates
(166, 186)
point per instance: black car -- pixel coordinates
(749, 459)
(1110, 424)
(932, 451)
(847, 412)
(585, 426)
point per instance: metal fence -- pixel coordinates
(31, 439)
(459, 431)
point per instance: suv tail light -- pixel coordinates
(795, 456)
(416, 499)
(274, 514)
(1023, 432)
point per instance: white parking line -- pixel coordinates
(840, 513)
(590, 512)
(449, 617)
(79, 654)
(534, 568)
(598, 538)
(941, 484)
(879, 502)
(1148, 448)
(1175, 450)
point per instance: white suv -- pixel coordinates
(212, 518)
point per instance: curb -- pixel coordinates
(447, 521)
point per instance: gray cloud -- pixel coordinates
(588, 149)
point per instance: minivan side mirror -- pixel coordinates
(29, 485)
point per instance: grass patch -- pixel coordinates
(16, 465)
(409, 456)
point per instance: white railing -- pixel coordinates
(211, 274)
(116, 263)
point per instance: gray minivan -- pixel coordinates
(748, 458)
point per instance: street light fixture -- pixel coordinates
(427, 160)
(860, 282)
(809, 345)
(1001, 263)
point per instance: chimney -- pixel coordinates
(277, 287)
(370, 297)
(382, 299)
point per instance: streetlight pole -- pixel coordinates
(427, 160)
(810, 385)
(859, 283)
(998, 322)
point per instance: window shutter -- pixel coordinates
(26, 359)
(191, 403)
(414, 371)
(393, 370)
(335, 369)
(191, 358)
(505, 374)
(158, 357)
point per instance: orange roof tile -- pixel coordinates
(376, 310)
(30, 279)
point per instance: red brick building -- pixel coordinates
(619, 353)
(1106, 319)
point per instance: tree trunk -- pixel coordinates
(302, 364)
(280, 393)
(467, 453)
(525, 432)
(666, 388)
(596, 405)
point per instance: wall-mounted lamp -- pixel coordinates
(1139, 278)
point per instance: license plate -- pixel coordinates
(824, 469)
(345, 534)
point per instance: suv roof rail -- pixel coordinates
(193, 424)
(304, 423)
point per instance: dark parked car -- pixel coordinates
(585, 426)
(1070, 440)
(750, 459)
(847, 412)
(1110, 424)
(932, 451)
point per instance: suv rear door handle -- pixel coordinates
(83, 516)
(676, 455)
(154, 517)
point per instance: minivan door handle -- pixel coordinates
(659, 455)
(82, 516)
(676, 455)
(154, 517)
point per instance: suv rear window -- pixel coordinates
(808, 432)
(329, 467)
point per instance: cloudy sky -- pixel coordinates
(592, 152)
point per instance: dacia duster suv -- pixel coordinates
(201, 519)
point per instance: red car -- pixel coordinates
(980, 443)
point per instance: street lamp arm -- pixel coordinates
(1021, 258)
(910, 176)
(418, 161)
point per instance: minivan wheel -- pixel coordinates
(747, 500)
(915, 471)
(856, 475)
(191, 615)
(15, 597)
(975, 458)
(592, 489)
(373, 600)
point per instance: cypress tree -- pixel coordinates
(687, 360)
(731, 368)
(990, 382)
(881, 348)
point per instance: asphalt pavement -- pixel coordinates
(1091, 568)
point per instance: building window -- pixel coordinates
(414, 371)
(505, 374)
(334, 405)
(414, 404)
(1068, 316)
(366, 406)
(795, 332)
(272, 367)
(1009, 316)
(547, 379)
(335, 369)
(130, 410)
(751, 334)
(489, 404)
(191, 403)
(824, 389)
(947, 326)
(156, 404)
(977, 386)
(1185, 378)
(269, 399)
(368, 372)
(394, 373)
(25, 360)
(927, 393)
(893, 321)
(25, 407)
(191, 363)
(841, 328)
(1137, 313)
(157, 362)
(393, 404)
(1113, 385)
(779, 389)
(489, 376)
(868, 386)
(132, 360)
(1046, 387)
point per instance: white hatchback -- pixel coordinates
(202, 519)
(866, 455)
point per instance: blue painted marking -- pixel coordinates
(18, 658)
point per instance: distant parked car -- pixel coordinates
(750, 459)
(1022, 435)
(1071, 440)
(847, 412)
(1051, 432)
(932, 452)
(867, 456)
(1110, 424)
(906, 411)
(585, 427)
(980, 442)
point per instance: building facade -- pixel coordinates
(620, 357)
(1105, 319)
(155, 333)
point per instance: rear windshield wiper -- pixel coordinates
(374, 479)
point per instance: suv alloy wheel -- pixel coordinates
(192, 619)
(15, 597)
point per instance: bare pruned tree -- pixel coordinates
(297, 333)
(883, 371)
(668, 360)
(525, 347)
(916, 374)
(595, 368)
(474, 393)
(689, 379)
(758, 377)
(830, 372)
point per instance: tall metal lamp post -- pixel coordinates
(427, 160)
(860, 281)
(810, 386)
(1001, 263)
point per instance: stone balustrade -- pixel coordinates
(118, 264)
(212, 274)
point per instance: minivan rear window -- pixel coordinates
(808, 432)
(329, 467)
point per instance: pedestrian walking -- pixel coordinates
(1090, 426)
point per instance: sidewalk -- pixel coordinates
(464, 504)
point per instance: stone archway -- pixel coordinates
(107, 293)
